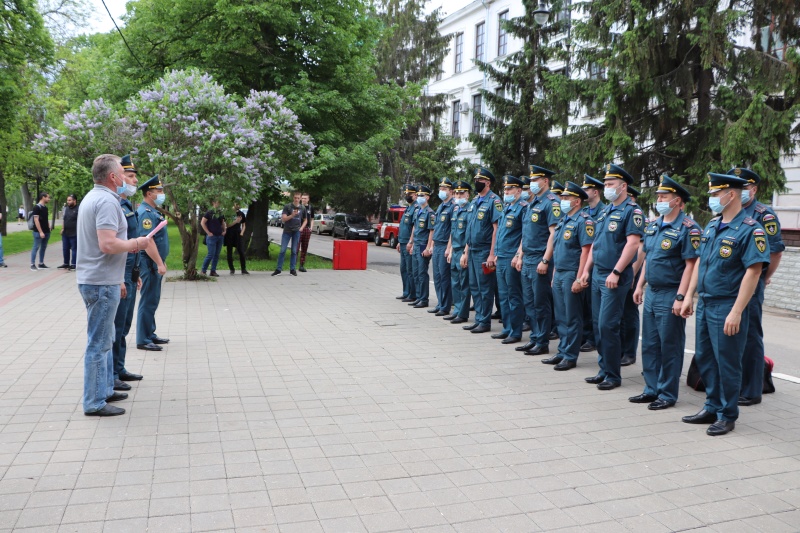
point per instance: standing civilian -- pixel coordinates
(294, 220)
(305, 233)
(2, 263)
(21, 214)
(41, 230)
(102, 248)
(213, 223)
(69, 232)
(233, 239)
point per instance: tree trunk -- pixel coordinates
(257, 229)
(3, 203)
(27, 201)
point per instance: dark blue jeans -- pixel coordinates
(214, 244)
(294, 237)
(69, 244)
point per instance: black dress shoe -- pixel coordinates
(415, 302)
(401, 297)
(588, 347)
(701, 417)
(500, 335)
(538, 350)
(150, 347)
(525, 347)
(472, 308)
(627, 361)
(117, 397)
(660, 404)
(441, 312)
(159, 340)
(607, 385)
(406, 300)
(449, 317)
(434, 310)
(594, 380)
(553, 336)
(511, 340)
(526, 327)
(458, 320)
(481, 329)
(496, 316)
(552, 360)
(108, 410)
(121, 385)
(720, 427)
(643, 398)
(470, 327)
(744, 402)
(421, 305)
(129, 376)
(565, 365)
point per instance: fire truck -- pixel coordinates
(388, 229)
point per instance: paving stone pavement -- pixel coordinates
(321, 403)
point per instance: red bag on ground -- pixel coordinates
(769, 387)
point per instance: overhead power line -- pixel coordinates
(120, 34)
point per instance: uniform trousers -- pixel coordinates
(481, 286)
(148, 301)
(407, 272)
(569, 314)
(607, 307)
(719, 356)
(631, 323)
(459, 282)
(441, 278)
(588, 321)
(421, 275)
(663, 342)
(537, 295)
(122, 325)
(509, 283)
(753, 359)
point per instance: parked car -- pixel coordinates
(275, 218)
(322, 223)
(352, 227)
(388, 229)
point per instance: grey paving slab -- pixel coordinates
(360, 415)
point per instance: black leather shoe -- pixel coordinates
(401, 297)
(538, 350)
(434, 310)
(660, 404)
(607, 385)
(470, 327)
(214, 274)
(627, 361)
(744, 402)
(720, 427)
(553, 336)
(552, 360)
(159, 340)
(643, 398)
(565, 365)
(526, 347)
(415, 302)
(150, 347)
(510, 340)
(496, 315)
(421, 305)
(701, 417)
(128, 376)
(121, 385)
(108, 410)
(449, 317)
(500, 335)
(458, 320)
(302, 269)
(526, 327)
(117, 397)
(588, 347)
(406, 300)
(481, 329)
(594, 380)
(441, 312)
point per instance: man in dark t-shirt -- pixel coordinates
(41, 230)
(294, 221)
(305, 235)
(233, 239)
(69, 232)
(213, 223)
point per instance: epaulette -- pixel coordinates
(584, 214)
(688, 222)
(523, 203)
(552, 197)
(715, 219)
(749, 221)
(760, 208)
(631, 201)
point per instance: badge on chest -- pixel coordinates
(613, 225)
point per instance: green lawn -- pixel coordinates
(22, 241)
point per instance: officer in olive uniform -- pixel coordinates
(459, 275)
(509, 281)
(631, 321)
(404, 235)
(733, 250)
(594, 205)
(753, 361)
(619, 230)
(422, 246)
(544, 211)
(441, 236)
(572, 241)
(149, 218)
(670, 249)
(484, 215)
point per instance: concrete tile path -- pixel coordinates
(320, 403)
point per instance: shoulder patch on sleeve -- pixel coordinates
(695, 231)
(758, 231)
(749, 221)
(498, 205)
(768, 217)
(637, 211)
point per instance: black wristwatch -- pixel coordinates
(617, 272)
(544, 261)
(679, 297)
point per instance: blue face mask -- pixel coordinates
(566, 206)
(745, 196)
(525, 195)
(508, 198)
(535, 187)
(663, 208)
(160, 199)
(421, 200)
(442, 196)
(461, 202)
(611, 194)
(122, 190)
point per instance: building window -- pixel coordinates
(480, 40)
(596, 71)
(438, 76)
(477, 110)
(771, 42)
(502, 34)
(455, 129)
(459, 52)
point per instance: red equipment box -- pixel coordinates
(349, 255)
